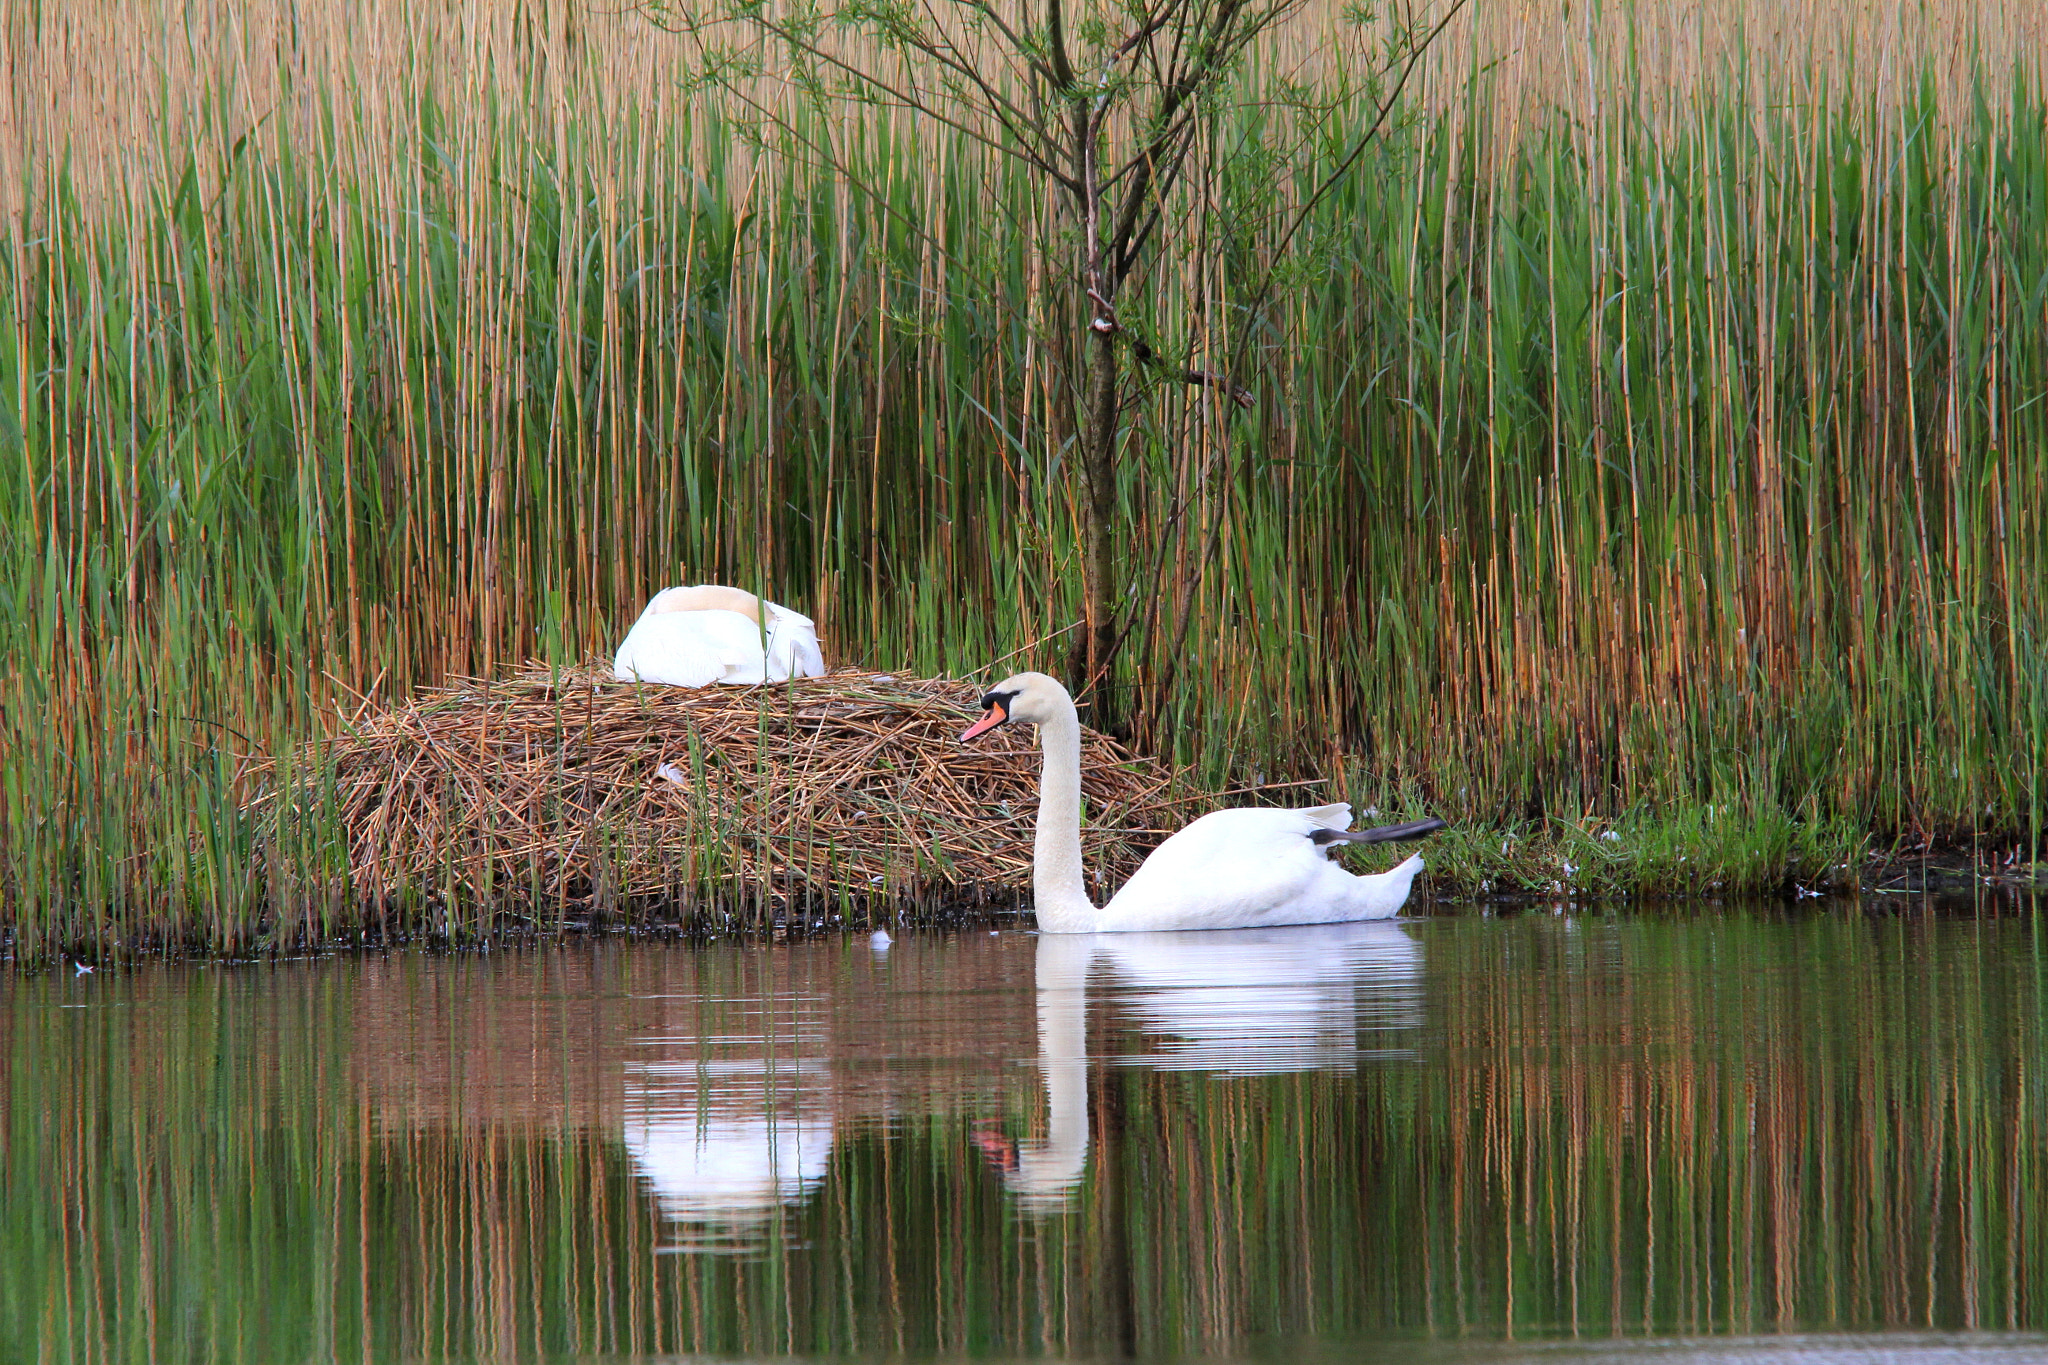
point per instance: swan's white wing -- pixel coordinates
(655, 654)
(738, 642)
(1231, 868)
(690, 649)
(809, 660)
(1337, 815)
(1250, 867)
(778, 613)
(792, 646)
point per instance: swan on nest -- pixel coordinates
(703, 634)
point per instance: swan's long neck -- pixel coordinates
(1062, 895)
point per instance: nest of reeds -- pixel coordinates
(560, 794)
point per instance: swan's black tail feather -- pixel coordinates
(1378, 834)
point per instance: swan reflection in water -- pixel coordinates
(1236, 1002)
(730, 1130)
(726, 1142)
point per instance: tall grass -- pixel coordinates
(1617, 449)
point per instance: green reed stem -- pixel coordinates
(1603, 478)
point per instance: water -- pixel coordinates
(1725, 1139)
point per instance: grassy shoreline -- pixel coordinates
(1936, 884)
(1682, 478)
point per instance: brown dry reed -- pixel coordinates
(1650, 440)
(558, 797)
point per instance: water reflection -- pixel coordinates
(734, 1097)
(1431, 1136)
(725, 1142)
(1233, 1002)
(1249, 1002)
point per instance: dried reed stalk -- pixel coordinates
(571, 793)
(110, 90)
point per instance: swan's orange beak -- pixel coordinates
(997, 714)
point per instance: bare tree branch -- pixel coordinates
(1106, 105)
(1056, 43)
(891, 94)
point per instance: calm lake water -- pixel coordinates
(1729, 1138)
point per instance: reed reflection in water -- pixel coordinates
(1448, 1131)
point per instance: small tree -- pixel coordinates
(1106, 101)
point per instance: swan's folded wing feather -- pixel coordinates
(690, 649)
(1336, 815)
(736, 641)
(793, 649)
(777, 613)
(668, 667)
(810, 660)
(1237, 864)
(1250, 867)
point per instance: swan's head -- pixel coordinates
(1033, 698)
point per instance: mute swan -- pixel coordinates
(696, 636)
(1231, 869)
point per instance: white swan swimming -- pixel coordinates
(705, 634)
(1249, 867)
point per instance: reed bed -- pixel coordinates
(1650, 435)
(563, 796)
